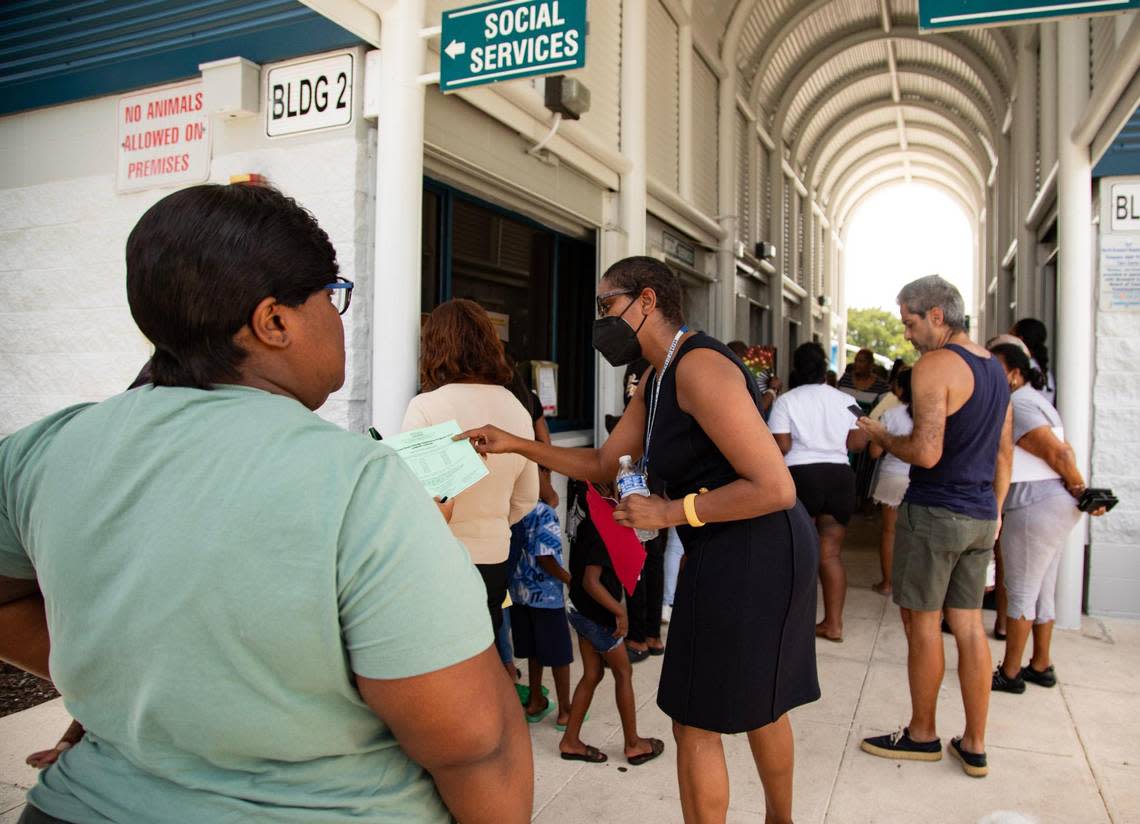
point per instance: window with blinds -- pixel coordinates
(706, 103)
(764, 187)
(744, 218)
(785, 250)
(1102, 47)
(801, 273)
(663, 98)
(602, 72)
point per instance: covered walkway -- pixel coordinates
(1060, 756)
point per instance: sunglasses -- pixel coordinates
(603, 299)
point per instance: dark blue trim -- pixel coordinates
(447, 197)
(308, 35)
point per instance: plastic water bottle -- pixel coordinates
(632, 481)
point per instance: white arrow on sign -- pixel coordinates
(455, 48)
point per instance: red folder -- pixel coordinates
(626, 552)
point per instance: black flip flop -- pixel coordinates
(592, 755)
(656, 650)
(658, 748)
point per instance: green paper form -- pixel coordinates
(445, 467)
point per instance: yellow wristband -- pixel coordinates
(691, 510)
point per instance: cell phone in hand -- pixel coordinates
(856, 410)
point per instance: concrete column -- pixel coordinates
(1025, 155)
(725, 289)
(776, 236)
(634, 23)
(1076, 295)
(399, 205)
(979, 320)
(992, 259)
(828, 259)
(1048, 97)
(1005, 197)
(810, 242)
(841, 298)
(630, 205)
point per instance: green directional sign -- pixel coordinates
(960, 14)
(509, 39)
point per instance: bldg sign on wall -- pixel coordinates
(1120, 244)
(164, 138)
(509, 39)
(960, 14)
(308, 95)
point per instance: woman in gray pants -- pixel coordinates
(1040, 512)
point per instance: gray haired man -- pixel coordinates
(960, 454)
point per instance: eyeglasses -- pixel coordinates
(340, 293)
(603, 299)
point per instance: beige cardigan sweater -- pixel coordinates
(484, 512)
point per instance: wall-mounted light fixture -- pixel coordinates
(232, 87)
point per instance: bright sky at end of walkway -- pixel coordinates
(901, 233)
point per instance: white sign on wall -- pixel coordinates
(164, 138)
(308, 96)
(1125, 207)
(1119, 272)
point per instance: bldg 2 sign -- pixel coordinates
(309, 95)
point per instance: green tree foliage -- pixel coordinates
(881, 332)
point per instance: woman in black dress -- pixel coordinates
(741, 649)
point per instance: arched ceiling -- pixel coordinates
(861, 99)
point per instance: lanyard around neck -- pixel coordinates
(657, 393)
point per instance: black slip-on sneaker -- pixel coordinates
(1044, 678)
(1003, 683)
(899, 745)
(973, 763)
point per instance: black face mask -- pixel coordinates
(616, 340)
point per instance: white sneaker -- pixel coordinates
(666, 613)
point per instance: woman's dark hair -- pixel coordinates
(898, 366)
(1034, 333)
(200, 261)
(902, 379)
(637, 273)
(809, 365)
(1016, 359)
(460, 345)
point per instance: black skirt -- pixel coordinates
(741, 649)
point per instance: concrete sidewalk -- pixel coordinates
(1060, 755)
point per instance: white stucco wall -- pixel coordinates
(1114, 562)
(66, 334)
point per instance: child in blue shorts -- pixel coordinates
(538, 612)
(599, 618)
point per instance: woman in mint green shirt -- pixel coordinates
(250, 610)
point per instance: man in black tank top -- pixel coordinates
(960, 453)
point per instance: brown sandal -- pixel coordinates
(592, 755)
(658, 747)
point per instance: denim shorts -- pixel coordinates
(600, 638)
